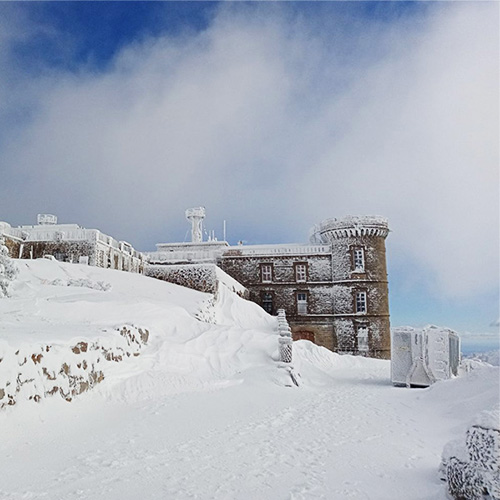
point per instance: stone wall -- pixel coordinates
(64, 251)
(201, 277)
(13, 245)
(36, 372)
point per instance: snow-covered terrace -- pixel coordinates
(66, 232)
(59, 231)
(205, 251)
(210, 251)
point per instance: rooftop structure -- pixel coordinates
(196, 216)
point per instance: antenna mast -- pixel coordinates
(196, 216)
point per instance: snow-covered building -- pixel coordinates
(334, 289)
(70, 243)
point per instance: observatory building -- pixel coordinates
(70, 243)
(333, 289)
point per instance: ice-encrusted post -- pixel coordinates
(285, 338)
(8, 270)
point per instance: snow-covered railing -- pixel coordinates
(69, 232)
(285, 338)
(204, 251)
(208, 256)
(285, 350)
(51, 233)
(108, 240)
(295, 249)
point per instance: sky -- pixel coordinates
(274, 116)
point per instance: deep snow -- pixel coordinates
(206, 412)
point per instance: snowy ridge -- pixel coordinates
(66, 326)
(490, 357)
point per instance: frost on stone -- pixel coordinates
(471, 467)
(206, 312)
(196, 276)
(8, 270)
(36, 371)
(482, 445)
(463, 480)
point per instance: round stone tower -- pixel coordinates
(360, 291)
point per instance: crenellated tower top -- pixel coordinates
(349, 226)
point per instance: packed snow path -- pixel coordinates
(358, 437)
(204, 412)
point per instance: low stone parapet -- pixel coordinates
(32, 372)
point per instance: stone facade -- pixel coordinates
(310, 317)
(365, 236)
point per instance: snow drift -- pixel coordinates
(66, 327)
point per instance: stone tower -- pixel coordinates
(360, 291)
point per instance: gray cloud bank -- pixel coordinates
(273, 121)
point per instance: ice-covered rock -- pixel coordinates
(471, 466)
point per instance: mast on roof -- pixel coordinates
(196, 216)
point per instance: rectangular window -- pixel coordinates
(267, 302)
(360, 302)
(362, 338)
(301, 272)
(61, 257)
(359, 259)
(100, 258)
(266, 273)
(301, 303)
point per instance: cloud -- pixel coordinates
(275, 120)
(420, 144)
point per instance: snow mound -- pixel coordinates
(460, 396)
(194, 339)
(318, 366)
(490, 357)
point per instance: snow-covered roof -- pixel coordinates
(202, 245)
(63, 232)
